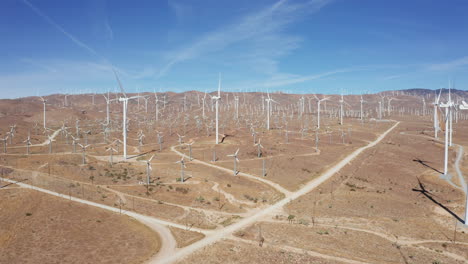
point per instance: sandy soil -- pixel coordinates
(38, 227)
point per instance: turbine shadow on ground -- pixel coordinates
(141, 154)
(425, 164)
(428, 195)
(11, 183)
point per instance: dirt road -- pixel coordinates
(220, 234)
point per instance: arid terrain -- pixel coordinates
(363, 190)
(39, 228)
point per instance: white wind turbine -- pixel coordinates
(235, 161)
(108, 101)
(341, 109)
(259, 148)
(190, 149)
(50, 140)
(83, 148)
(44, 103)
(148, 172)
(319, 101)
(464, 106)
(111, 157)
(380, 110)
(74, 142)
(124, 101)
(5, 140)
(216, 99)
(236, 105)
(182, 167)
(203, 105)
(28, 143)
(436, 117)
(157, 100)
(362, 112)
(146, 97)
(181, 139)
(269, 100)
(448, 120)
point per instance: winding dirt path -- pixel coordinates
(220, 234)
(276, 186)
(168, 242)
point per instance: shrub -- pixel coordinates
(322, 232)
(182, 190)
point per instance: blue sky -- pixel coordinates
(316, 46)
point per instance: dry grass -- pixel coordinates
(185, 237)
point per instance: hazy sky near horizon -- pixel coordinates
(316, 46)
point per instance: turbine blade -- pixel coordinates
(120, 84)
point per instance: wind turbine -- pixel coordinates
(160, 140)
(341, 109)
(203, 105)
(235, 161)
(111, 160)
(108, 101)
(380, 110)
(50, 143)
(259, 148)
(74, 140)
(156, 99)
(181, 139)
(146, 97)
(269, 100)
(148, 172)
(28, 143)
(361, 113)
(190, 149)
(436, 118)
(318, 108)
(216, 99)
(182, 167)
(424, 106)
(448, 120)
(83, 148)
(464, 106)
(236, 105)
(44, 103)
(124, 101)
(5, 140)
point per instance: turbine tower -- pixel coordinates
(216, 99)
(269, 100)
(108, 101)
(182, 167)
(464, 106)
(148, 172)
(44, 103)
(318, 108)
(448, 120)
(235, 161)
(124, 101)
(436, 118)
(362, 113)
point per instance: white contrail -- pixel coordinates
(57, 26)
